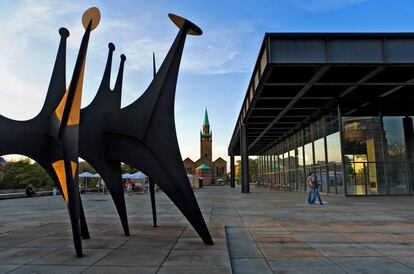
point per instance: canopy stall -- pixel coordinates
(87, 175)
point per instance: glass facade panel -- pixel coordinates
(301, 172)
(394, 139)
(377, 154)
(331, 123)
(363, 155)
(320, 164)
(293, 182)
(308, 157)
(281, 169)
(338, 175)
(396, 153)
(397, 178)
(333, 144)
(286, 169)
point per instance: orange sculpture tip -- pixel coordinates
(92, 14)
(179, 21)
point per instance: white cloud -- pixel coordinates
(22, 82)
(217, 51)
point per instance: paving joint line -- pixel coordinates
(166, 257)
(109, 253)
(387, 256)
(248, 231)
(320, 253)
(40, 257)
(261, 251)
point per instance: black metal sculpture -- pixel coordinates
(106, 135)
(51, 138)
(151, 182)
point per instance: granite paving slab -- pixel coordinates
(67, 256)
(270, 228)
(97, 269)
(48, 269)
(304, 265)
(374, 265)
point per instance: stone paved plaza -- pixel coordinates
(260, 232)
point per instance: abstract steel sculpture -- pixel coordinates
(106, 135)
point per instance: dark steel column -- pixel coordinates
(232, 173)
(409, 148)
(384, 157)
(244, 160)
(341, 131)
(328, 187)
(153, 206)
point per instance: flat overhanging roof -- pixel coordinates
(300, 76)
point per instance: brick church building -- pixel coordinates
(211, 172)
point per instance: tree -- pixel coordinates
(252, 170)
(128, 169)
(21, 173)
(86, 167)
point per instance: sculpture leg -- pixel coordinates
(117, 192)
(153, 206)
(174, 184)
(112, 175)
(74, 214)
(83, 224)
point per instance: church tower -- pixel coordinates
(206, 139)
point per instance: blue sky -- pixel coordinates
(216, 66)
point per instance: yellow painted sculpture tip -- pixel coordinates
(179, 21)
(92, 14)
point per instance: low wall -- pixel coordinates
(15, 195)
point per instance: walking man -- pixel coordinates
(310, 185)
(316, 194)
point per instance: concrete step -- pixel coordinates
(245, 256)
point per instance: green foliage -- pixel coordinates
(252, 170)
(21, 173)
(85, 167)
(128, 169)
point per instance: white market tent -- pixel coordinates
(139, 175)
(126, 176)
(88, 175)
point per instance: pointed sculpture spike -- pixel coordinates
(154, 68)
(119, 78)
(92, 140)
(57, 84)
(136, 135)
(106, 78)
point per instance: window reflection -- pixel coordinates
(308, 156)
(377, 154)
(300, 171)
(363, 155)
(320, 163)
(395, 146)
(333, 144)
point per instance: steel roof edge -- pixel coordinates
(338, 34)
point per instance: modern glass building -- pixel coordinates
(338, 104)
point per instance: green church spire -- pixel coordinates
(205, 121)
